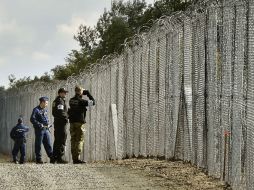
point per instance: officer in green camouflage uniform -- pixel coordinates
(77, 114)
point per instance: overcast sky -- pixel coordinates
(36, 35)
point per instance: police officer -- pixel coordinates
(77, 114)
(59, 111)
(18, 134)
(40, 121)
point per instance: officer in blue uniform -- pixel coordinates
(40, 121)
(18, 134)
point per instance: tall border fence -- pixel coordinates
(183, 90)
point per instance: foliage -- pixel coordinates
(122, 21)
(14, 83)
(2, 90)
(114, 26)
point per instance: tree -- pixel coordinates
(86, 37)
(114, 36)
(2, 88)
(12, 80)
(121, 22)
(107, 37)
(14, 83)
(45, 78)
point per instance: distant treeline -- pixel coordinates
(121, 22)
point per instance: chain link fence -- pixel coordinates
(183, 90)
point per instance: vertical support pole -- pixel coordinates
(115, 127)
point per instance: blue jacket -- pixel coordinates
(19, 132)
(39, 117)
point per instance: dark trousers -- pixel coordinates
(60, 135)
(42, 137)
(19, 145)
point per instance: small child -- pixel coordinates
(18, 134)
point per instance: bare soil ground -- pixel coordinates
(178, 175)
(131, 174)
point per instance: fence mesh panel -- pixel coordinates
(184, 90)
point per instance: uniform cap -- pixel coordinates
(20, 120)
(43, 99)
(62, 90)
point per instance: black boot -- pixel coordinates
(61, 161)
(52, 160)
(79, 162)
(39, 162)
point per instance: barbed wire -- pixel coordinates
(173, 92)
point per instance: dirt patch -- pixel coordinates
(88, 176)
(178, 175)
(4, 158)
(131, 174)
